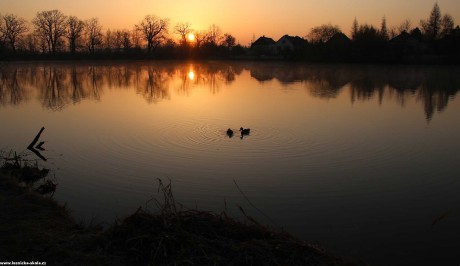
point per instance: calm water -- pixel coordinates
(363, 159)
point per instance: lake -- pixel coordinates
(363, 159)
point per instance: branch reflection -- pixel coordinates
(432, 86)
(11, 92)
(60, 84)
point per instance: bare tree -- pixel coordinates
(229, 41)
(108, 40)
(431, 27)
(31, 43)
(118, 40)
(322, 33)
(126, 40)
(447, 25)
(50, 26)
(93, 33)
(183, 29)
(12, 28)
(74, 32)
(200, 38)
(214, 35)
(136, 38)
(153, 30)
(405, 26)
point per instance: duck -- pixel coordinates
(229, 132)
(245, 131)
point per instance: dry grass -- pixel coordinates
(191, 237)
(33, 227)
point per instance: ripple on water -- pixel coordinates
(195, 144)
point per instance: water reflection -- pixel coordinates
(432, 86)
(154, 87)
(10, 90)
(60, 84)
(212, 76)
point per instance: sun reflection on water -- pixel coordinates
(191, 75)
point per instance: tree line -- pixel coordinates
(436, 27)
(56, 35)
(434, 39)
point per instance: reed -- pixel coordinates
(178, 236)
(27, 171)
(33, 227)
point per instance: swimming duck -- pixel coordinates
(229, 133)
(245, 131)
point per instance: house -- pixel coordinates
(263, 46)
(405, 44)
(338, 48)
(338, 40)
(290, 44)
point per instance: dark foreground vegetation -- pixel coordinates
(34, 227)
(54, 35)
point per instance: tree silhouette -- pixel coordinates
(228, 41)
(447, 25)
(354, 29)
(153, 30)
(367, 33)
(118, 40)
(50, 26)
(183, 29)
(432, 26)
(405, 26)
(31, 43)
(93, 34)
(126, 40)
(323, 33)
(108, 40)
(136, 38)
(214, 35)
(383, 29)
(12, 28)
(74, 32)
(417, 34)
(200, 38)
(437, 26)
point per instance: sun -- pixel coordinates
(191, 37)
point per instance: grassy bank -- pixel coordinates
(34, 227)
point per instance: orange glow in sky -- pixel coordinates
(243, 19)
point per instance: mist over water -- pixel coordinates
(362, 158)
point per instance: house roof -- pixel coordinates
(295, 40)
(403, 37)
(339, 37)
(263, 41)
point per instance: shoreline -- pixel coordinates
(34, 227)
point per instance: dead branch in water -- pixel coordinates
(37, 137)
(39, 146)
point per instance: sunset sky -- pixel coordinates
(241, 18)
